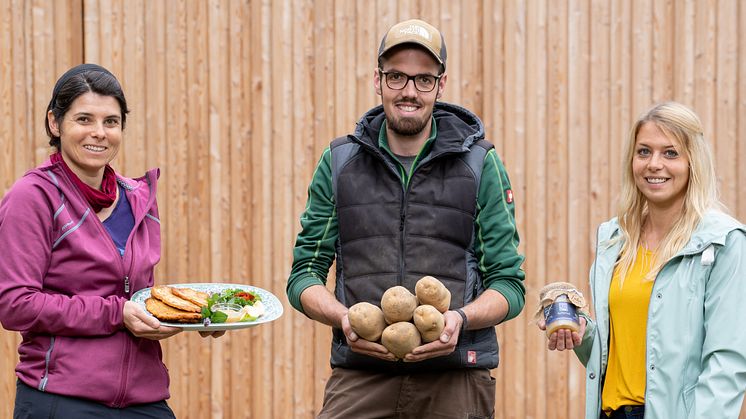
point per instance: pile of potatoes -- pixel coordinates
(404, 321)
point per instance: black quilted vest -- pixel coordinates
(394, 234)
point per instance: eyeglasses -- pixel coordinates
(397, 80)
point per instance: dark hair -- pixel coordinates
(78, 81)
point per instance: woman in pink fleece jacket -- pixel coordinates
(78, 240)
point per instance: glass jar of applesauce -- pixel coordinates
(561, 314)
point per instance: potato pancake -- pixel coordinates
(197, 297)
(165, 294)
(167, 313)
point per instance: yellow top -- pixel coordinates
(628, 318)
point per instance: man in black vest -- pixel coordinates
(414, 191)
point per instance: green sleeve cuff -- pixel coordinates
(513, 293)
(583, 352)
(295, 289)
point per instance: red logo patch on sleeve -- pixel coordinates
(509, 196)
(471, 357)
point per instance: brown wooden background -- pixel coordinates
(234, 101)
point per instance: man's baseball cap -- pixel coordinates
(415, 31)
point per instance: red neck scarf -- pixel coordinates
(96, 199)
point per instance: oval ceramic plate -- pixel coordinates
(271, 303)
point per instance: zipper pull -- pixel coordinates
(127, 284)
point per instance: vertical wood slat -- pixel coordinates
(453, 31)
(557, 171)
(513, 140)
(493, 64)
(578, 146)
(7, 148)
(663, 50)
(199, 199)
(155, 109)
(103, 27)
(404, 9)
(429, 11)
(21, 53)
(344, 83)
(705, 50)
(470, 60)
(282, 197)
(235, 101)
(642, 50)
(535, 238)
(237, 351)
(684, 51)
(262, 147)
(91, 35)
(620, 73)
(132, 154)
(365, 53)
(175, 169)
(221, 182)
(601, 152)
(42, 21)
(725, 123)
(67, 15)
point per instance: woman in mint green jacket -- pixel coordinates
(668, 285)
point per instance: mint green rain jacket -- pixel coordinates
(696, 331)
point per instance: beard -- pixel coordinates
(406, 126)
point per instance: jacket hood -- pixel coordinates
(458, 128)
(713, 228)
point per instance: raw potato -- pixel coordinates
(398, 304)
(432, 292)
(429, 322)
(367, 321)
(400, 338)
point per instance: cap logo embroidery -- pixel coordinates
(416, 30)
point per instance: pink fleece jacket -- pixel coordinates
(63, 285)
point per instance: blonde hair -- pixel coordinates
(682, 126)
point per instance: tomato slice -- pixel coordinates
(245, 296)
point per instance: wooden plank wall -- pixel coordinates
(235, 100)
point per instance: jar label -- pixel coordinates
(560, 310)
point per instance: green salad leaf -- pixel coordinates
(230, 296)
(218, 317)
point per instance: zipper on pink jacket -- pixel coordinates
(125, 372)
(47, 358)
(125, 359)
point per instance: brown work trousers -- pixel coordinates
(464, 394)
